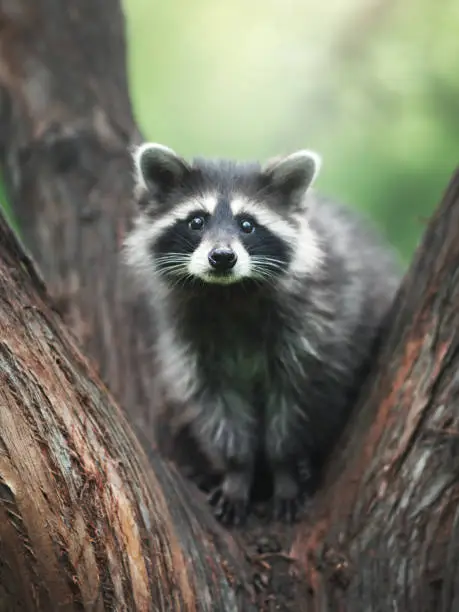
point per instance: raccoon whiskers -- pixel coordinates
(165, 262)
(264, 276)
(172, 256)
(174, 264)
(182, 279)
(267, 268)
(269, 262)
(174, 270)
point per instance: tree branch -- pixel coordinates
(67, 127)
(382, 535)
(64, 149)
(384, 532)
(85, 524)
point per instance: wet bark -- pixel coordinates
(85, 523)
(384, 534)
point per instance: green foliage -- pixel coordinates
(372, 86)
(4, 204)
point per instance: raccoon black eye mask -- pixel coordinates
(267, 298)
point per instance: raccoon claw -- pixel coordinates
(227, 511)
(304, 471)
(287, 494)
(285, 510)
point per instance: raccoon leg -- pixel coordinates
(225, 429)
(287, 493)
(230, 498)
(281, 446)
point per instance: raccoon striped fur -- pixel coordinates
(267, 298)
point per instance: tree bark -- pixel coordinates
(385, 531)
(85, 524)
(66, 129)
(382, 533)
(67, 126)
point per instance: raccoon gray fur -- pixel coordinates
(267, 298)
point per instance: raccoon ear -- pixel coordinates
(157, 167)
(294, 175)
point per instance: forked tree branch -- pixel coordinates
(383, 529)
(384, 534)
(85, 522)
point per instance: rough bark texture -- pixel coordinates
(85, 524)
(385, 531)
(66, 128)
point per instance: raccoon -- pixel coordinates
(267, 298)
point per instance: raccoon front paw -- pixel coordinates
(287, 496)
(230, 499)
(286, 510)
(228, 511)
(304, 471)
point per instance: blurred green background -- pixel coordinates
(372, 85)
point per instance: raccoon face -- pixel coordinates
(221, 222)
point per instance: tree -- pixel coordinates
(85, 523)
(77, 492)
(384, 533)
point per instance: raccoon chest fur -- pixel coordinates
(233, 340)
(245, 371)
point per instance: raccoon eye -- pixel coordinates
(196, 223)
(247, 226)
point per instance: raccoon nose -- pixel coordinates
(222, 258)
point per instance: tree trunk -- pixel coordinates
(382, 534)
(85, 524)
(66, 128)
